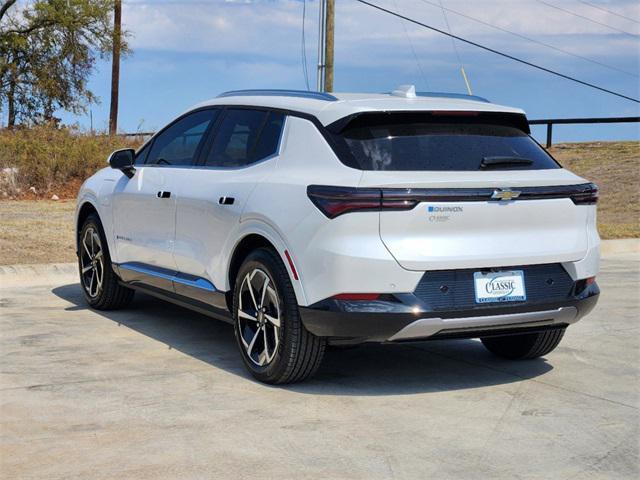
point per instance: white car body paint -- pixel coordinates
(382, 252)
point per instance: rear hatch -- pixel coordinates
(468, 190)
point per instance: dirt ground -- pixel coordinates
(36, 231)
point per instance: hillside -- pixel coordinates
(615, 167)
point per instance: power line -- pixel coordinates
(586, 18)
(446, 21)
(413, 50)
(497, 52)
(533, 40)
(609, 11)
(455, 49)
(304, 46)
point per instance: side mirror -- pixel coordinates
(123, 160)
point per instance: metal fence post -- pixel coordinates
(549, 134)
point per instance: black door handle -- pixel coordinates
(163, 194)
(226, 200)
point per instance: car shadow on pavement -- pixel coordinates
(386, 369)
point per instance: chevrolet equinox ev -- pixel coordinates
(310, 219)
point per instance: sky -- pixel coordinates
(187, 51)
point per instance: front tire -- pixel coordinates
(525, 346)
(99, 282)
(274, 344)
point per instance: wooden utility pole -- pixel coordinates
(328, 54)
(115, 67)
(322, 27)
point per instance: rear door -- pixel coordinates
(485, 193)
(239, 154)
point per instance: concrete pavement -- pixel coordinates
(158, 392)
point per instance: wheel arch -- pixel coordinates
(250, 241)
(86, 209)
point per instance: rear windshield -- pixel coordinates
(409, 143)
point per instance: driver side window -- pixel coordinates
(178, 144)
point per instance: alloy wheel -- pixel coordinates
(91, 262)
(259, 317)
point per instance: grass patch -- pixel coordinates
(52, 160)
(615, 168)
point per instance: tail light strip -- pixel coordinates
(334, 201)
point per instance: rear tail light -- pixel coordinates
(587, 196)
(334, 201)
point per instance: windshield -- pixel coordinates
(382, 142)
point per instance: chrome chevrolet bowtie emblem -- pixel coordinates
(505, 194)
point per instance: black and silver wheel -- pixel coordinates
(524, 346)
(275, 346)
(259, 317)
(99, 282)
(91, 262)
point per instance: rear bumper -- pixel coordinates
(404, 317)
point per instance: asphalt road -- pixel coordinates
(158, 392)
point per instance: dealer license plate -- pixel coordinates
(507, 286)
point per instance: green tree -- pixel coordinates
(48, 49)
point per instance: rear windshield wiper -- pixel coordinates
(488, 162)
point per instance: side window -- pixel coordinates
(141, 155)
(269, 139)
(178, 144)
(244, 137)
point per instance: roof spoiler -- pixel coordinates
(409, 91)
(516, 120)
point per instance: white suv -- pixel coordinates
(308, 219)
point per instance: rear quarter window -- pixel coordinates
(419, 142)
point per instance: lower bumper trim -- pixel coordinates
(399, 320)
(427, 327)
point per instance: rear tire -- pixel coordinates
(99, 282)
(275, 346)
(525, 346)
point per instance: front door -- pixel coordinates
(145, 205)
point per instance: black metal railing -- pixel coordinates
(550, 122)
(137, 134)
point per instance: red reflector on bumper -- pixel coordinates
(291, 266)
(356, 296)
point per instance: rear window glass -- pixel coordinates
(382, 142)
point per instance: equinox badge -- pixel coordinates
(505, 194)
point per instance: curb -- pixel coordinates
(38, 270)
(37, 275)
(623, 245)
